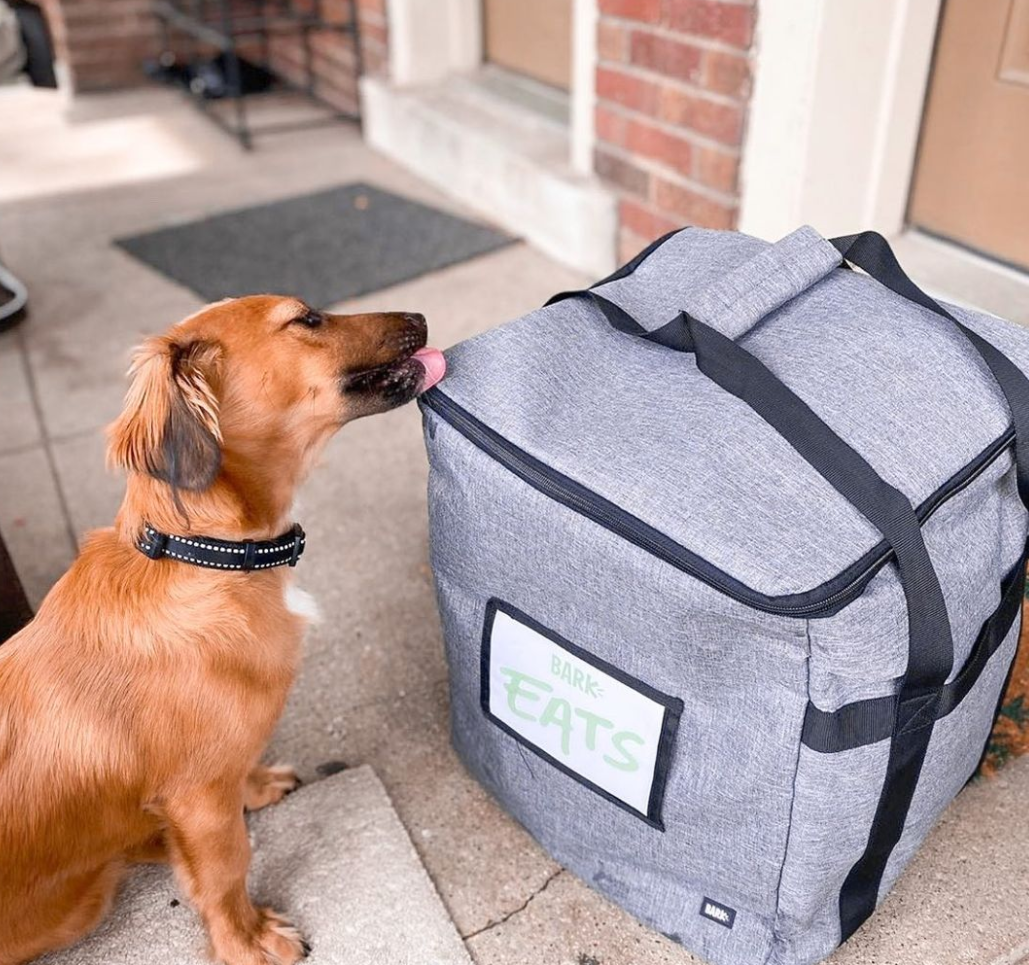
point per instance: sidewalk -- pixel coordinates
(373, 687)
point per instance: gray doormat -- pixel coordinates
(322, 247)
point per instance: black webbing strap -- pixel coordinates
(869, 721)
(734, 369)
(859, 894)
(871, 252)
(931, 652)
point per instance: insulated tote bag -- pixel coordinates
(729, 552)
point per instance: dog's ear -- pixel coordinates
(169, 426)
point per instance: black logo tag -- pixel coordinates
(722, 914)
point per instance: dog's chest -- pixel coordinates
(300, 603)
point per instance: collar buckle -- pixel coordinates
(298, 543)
(154, 544)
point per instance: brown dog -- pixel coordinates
(135, 707)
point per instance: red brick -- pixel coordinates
(666, 56)
(717, 169)
(612, 41)
(644, 221)
(609, 126)
(726, 73)
(678, 201)
(333, 46)
(731, 23)
(627, 90)
(648, 11)
(723, 122)
(659, 145)
(372, 6)
(622, 172)
(111, 58)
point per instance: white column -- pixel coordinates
(584, 67)
(835, 114)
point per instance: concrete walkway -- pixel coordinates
(319, 853)
(373, 689)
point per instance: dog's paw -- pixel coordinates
(280, 941)
(273, 941)
(269, 785)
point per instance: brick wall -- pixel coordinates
(104, 42)
(333, 55)
(672, 85)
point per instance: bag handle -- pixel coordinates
(871, 252)
(743, 296)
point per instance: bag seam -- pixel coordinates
(774, 936)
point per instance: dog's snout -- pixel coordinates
(416, 318)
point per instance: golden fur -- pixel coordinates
(136, 705)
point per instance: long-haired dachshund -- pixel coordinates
(135, 707)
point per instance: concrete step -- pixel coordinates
(499, 157)
(333, 857)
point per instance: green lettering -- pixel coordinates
(515, 689)
(555, 665)
(559, 712)
(628, 762)
(593, 721)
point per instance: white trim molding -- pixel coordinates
(431, 39)
(520, 167)
(583, 93)
(835, 115)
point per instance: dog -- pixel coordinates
(135, 707)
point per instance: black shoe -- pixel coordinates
(13, 300)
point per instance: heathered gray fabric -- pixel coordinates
(954, 752)
(754, 819)
(893, 379)
(730, 821)
(862, 651)
(835, 800)
(741, 298)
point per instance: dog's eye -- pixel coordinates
(310, 319)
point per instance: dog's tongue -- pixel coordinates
(435, 366)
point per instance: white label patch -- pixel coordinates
(601, 726)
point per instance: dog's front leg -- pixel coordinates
(210, 853)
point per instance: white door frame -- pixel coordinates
(835, 115)
(584, 84)
(429, 40)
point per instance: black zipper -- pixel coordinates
(824, 600)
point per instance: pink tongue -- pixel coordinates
(435, 366)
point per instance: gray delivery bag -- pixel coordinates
(729, 552)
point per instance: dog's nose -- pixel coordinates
(415, 318)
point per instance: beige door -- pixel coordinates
(531, 37)
(972, 176)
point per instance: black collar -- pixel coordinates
(224, 554)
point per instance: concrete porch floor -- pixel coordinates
(373, 687)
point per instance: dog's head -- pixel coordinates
(262, 377)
